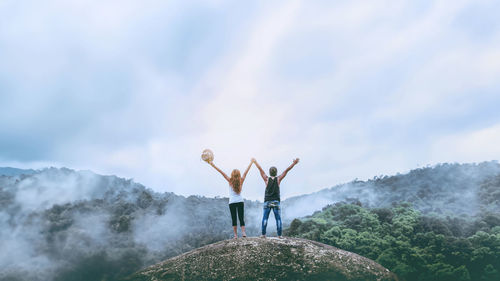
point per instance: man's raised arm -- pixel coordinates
(262, 173)
(280, 178)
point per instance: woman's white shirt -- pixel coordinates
(233, 197)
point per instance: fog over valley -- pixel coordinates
(62, 224)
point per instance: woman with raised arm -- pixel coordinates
(236, 204)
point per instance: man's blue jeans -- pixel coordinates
(275, 206)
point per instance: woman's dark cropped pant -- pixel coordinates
(237, 208)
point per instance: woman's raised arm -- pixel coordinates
(246, 171)
(219, 170)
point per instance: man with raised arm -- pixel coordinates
(272, 195)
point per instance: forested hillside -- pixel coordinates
(412, 245)
(445, 189)
(61, 224)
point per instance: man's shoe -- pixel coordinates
(262, 236)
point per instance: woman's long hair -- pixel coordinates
(235, 181)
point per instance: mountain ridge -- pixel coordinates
(10, 171)
(438, 178)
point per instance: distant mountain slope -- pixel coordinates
(450, 189)
(8, 171)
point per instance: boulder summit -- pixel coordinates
(266, 259)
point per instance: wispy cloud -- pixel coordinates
(354, 88)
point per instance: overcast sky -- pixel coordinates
(354, 88)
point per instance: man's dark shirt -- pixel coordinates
(272, 189)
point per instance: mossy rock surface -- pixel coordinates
(266, 259)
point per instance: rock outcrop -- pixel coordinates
(266, 259)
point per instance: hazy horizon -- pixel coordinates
(285, 193)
